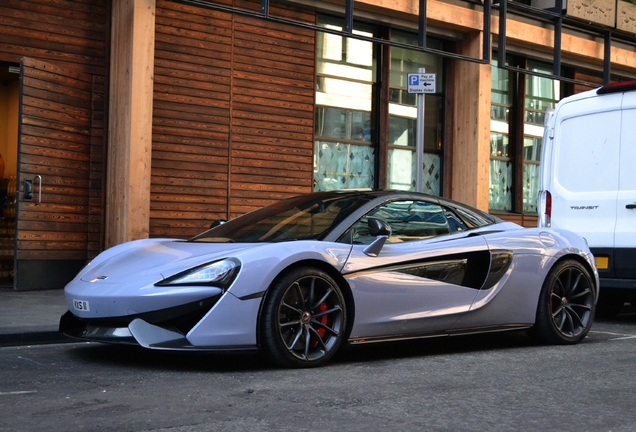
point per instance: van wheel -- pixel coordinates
(566, 305)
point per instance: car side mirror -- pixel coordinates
(378, 227)
(382, 231)
(217, 222)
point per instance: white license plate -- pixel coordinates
(81, 305)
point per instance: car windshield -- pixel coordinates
(306, 217)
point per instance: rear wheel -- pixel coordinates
(303, 319)
(566, 305)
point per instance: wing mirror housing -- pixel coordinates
(378, 227)
(382, 231)
(217, 222)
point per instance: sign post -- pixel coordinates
(420, 83)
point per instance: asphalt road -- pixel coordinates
(498, 382)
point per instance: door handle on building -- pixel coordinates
(39, 179)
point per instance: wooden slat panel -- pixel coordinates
(96, 201)
(69, 11)
(54, 216)
(48, 117)
(280, 11)
(233, 96)
(579, 75)
(37, 18)
(64, 32)
(70, 40)
(191, 119)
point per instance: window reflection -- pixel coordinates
(541, 94)
(403, 118)
(409, 221)
(344, 155)
(501, 180)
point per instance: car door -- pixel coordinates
(425, 277)
(625, 233)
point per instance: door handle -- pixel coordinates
(39, 179)
(630, 206)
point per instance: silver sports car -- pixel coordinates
(300, 278)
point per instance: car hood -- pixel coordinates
(155, 259)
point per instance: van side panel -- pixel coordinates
(625, 238)
(584, 176)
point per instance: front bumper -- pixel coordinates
(177, 320)
(220, 323)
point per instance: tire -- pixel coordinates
(566, 305)
(303, 319)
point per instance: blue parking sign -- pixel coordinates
(422, 83)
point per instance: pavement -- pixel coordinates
(31, 317)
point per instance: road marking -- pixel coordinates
(622, 335)
(18, 392)
(28, 359)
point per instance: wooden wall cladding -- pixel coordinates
(65, 46)
(272, 112)
(191, 119)
(96, 199)
(582, 76)
(71, 32)
(233, 115)
(55, 141)
(525, 220)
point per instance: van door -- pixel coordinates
(625, 238)
(585, 175)
(54, 159)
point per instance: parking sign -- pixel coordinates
(422, 83)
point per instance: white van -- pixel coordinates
(588, 182)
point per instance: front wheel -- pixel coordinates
(303, 319)
(566, 304)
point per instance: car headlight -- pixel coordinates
(219, 274)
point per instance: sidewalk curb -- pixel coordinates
(33, 338)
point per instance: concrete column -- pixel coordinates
(130, 121)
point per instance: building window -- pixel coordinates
(517, 115)
(403, 118)
(500, 192)
(542, 94)
(345, 146)
(347, 140)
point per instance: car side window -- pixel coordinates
(455, 223)
(409, 221)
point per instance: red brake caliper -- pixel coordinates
(323, 320)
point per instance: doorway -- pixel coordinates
(9, 112)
